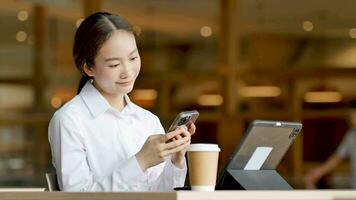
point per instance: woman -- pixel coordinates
(100, 140)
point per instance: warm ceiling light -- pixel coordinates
(322, 97)
(22, 15)
(21, 36)
(56, 102)
(206, 31)
(260, 91)
(144, 94)
(352, 33)
(308, 26)
(210, 100)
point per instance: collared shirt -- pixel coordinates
(347, 148)
(94, 145)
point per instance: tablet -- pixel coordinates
(264, 144)
(252, 165)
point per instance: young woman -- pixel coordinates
(100, 140)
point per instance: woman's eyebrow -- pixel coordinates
(111, 59)
(117, 58)
(133, 51)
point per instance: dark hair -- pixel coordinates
(91, 35)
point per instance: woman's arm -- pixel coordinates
(70, 160)
(316, 174)
(171, 173)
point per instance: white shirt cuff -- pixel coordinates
(179, 174)
(132, 172)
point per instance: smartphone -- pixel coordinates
(184, 118)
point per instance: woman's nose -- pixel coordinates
(125, 73)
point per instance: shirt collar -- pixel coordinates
(96, 102)
(128, 102)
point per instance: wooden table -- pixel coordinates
(187, 195)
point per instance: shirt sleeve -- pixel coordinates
(166, 176)
(345, 146)
(73, 171)
(169, 178)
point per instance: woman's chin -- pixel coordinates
(126, 90)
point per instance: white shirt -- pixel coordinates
(94, 145)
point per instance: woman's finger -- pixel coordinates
(176, 143)
(176, 149)
(174, 133)
(185, 133)
(178, 137)
(192, 128)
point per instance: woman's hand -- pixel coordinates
(178, 158)
(316, 174)
(312, 177)
(155, 149)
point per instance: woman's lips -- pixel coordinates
(126, 83)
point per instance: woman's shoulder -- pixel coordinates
(73, 107)
(68, 119)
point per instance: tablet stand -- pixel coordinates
(234, 179)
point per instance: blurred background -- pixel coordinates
(232, 60)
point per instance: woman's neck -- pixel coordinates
(116, 101)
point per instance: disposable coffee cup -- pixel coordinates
(203, 166)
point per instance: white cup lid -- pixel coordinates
(203, 147)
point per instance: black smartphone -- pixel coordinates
(184, 118)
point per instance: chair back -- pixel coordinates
(52, 183)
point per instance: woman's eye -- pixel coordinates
(116, 65)
(133, 58)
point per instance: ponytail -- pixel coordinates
(83, 80)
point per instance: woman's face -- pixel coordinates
(116, 65)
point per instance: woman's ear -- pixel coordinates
(88, 70)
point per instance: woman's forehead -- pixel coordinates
(120, 43)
